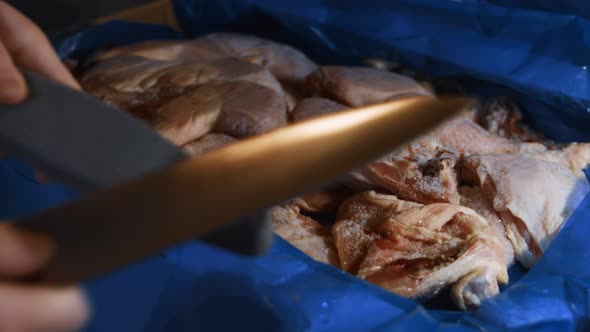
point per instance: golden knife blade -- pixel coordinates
(111, 228)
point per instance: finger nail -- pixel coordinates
(12, 90)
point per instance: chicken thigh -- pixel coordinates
(416, 251)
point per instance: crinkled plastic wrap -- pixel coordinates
(536, 51)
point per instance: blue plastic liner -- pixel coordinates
(536, 51)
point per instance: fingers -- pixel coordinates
(22, 253)
(26, 308)
(12, 85)
(29, 47)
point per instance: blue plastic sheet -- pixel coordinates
(536, 51)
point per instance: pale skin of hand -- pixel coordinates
(24, 307)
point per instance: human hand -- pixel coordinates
(34, 308)
(24, 46)
(24, 307)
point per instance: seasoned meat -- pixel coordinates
(416, 251)
(356, 220)
(359, 86)
(424, 174)
(304, 233)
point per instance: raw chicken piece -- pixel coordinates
(185, 101)
(420, 173)
(426, 171)
(532, 197)
(304, 233)
(322, 201)
(359, 86)
(501, 116)
(356, 221)
(208, 143)
(419, 251)
(167, 50)
(145, 79)
(285, 62)
(312, 107)
(466, 137)
(239, 109)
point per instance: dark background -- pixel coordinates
(59, 17)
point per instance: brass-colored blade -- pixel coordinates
(108, 229)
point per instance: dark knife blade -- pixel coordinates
(78, 140)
